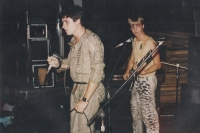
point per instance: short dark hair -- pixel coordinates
(74, 12)
(135, 17)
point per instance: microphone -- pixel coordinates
(127, 41)
(56, 56)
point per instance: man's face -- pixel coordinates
(69, 25)
(136, 27)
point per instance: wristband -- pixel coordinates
(59, 65)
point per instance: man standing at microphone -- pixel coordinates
(86, 63)
(143, 108)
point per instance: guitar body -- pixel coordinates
(132, 79)
(147, 58)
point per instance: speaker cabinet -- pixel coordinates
(39, 49)
(40, 78)
(37, 31)
(194, 59)
(190, 95)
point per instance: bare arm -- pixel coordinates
(129, 67)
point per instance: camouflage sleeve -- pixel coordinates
(65, 64)
(97, 62)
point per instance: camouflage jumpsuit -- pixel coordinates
(86, 63)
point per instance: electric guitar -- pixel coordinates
(146, 59)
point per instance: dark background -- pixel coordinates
(107, 18)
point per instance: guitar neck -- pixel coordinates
(144, 58)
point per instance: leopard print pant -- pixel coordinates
(143, 106)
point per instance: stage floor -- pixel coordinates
(49, 113)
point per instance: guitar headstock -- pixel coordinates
(160, 40)
(160, 43)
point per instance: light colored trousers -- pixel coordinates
(143, 107)
(78, 121)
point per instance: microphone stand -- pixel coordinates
(107, 85)
(177, 77)
(140, 66)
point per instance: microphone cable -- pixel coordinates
(85, 117)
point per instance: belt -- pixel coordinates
(80, 83)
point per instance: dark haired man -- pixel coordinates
(86, 63)
(143, 106)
